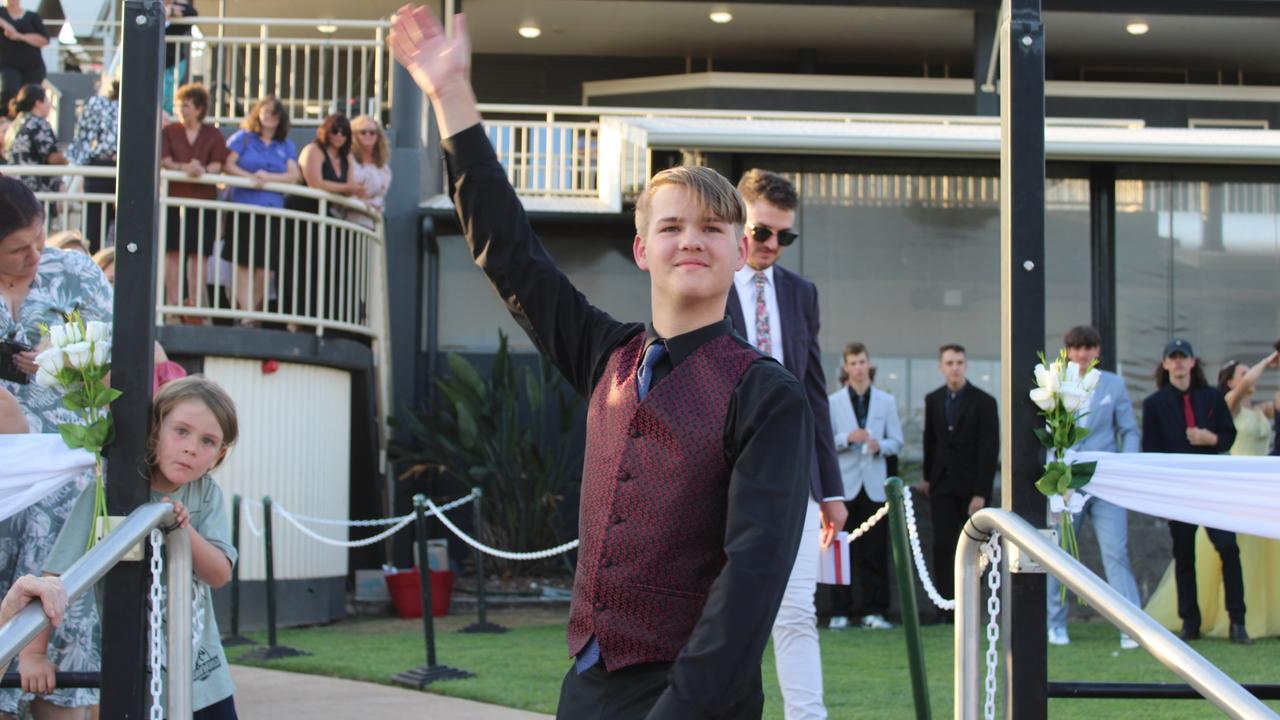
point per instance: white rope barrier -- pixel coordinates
(538, 555)
(248, 516)
(398, 523)
(914, 536)
(343, 543)
(865, 527)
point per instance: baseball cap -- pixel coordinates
(1180, 346)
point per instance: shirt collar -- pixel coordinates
(682, 346)
(746, 276)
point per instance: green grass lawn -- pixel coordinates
(866, 672)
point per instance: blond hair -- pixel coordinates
(715, 195)
(382, 150)
(192, 387)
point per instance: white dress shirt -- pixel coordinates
(745, 282)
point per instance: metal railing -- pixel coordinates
(1213, 684)
(95, 564)
(322, 271)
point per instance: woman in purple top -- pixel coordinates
(261, 151)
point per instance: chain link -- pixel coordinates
(992, 552)
(157, 635)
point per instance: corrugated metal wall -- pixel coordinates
(295, 445)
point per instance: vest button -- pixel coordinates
(636, 432)
(615, 518)
(624, 476)
(608, 562)
(600, 606)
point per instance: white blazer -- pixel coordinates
(862, 471)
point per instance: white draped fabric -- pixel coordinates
(1220, 491)
(32, 466)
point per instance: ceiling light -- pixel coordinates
(529, 30)
(720, 16)
(1137, 28)
(327, 28)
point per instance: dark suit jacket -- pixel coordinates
(961, 462)
(798, 305)
(1164, 422)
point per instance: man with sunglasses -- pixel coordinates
(776, 310)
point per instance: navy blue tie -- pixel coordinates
(644, 376)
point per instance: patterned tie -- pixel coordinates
(763, 341)
(644, 376)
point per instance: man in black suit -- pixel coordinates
(776, 310)
(961, 442)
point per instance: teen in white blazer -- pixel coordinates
(861, 470)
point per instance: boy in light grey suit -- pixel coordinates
(1112, 428)
(866, 430)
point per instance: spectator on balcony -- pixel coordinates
(22, 34)
(370, 168)
(262, 152)
(30, 139)
(94, 144)
(176, 51)
(194, 147)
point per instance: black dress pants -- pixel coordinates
(1184, 571)
(631, 692)
(949, 514)
(868, 564)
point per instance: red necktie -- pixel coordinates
(1187, 412)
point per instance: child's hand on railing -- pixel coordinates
(182, 517)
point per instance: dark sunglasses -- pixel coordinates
(340, 131)
(760, 233)
(366, 132)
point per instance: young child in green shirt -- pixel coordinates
(193, 424)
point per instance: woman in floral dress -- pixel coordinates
(30, 139)
(38, 285)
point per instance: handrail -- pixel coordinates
(95, 564)
(1215, 685)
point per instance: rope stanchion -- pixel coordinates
(272, 650)
(424, 675)
(235, 638)
(907, 595)
(482, 624)
(538, 555)
(918, 554)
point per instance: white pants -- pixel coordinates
(795, 631)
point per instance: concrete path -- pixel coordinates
(275, 695)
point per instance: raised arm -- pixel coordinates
(1246, 384)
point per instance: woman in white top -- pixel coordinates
(370, 154)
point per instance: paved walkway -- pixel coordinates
(275, 695)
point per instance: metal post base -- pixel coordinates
(483, 627)
(271, 652)
(234, 640)
(424, 675)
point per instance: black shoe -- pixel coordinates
(1191, 632)
(1238, 634)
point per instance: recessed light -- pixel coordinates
(1137, 28)
(721, 16)
(529, 30)
(327, 29)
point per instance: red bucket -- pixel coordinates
(406, 592)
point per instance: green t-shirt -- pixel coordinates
(203, 499)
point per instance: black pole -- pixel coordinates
(482, 624)
(423, 675)
(124, 627)
(272, 650)
(1102, 259)
(1022, 336)
(235, 638)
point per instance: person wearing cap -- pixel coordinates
(1187, 415)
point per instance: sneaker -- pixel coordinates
(1058, 636)
(838, 622)
(876, 622)
(1127, 643)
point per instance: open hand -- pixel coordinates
(439, 64)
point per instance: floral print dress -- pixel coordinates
(30, 141)
(64, 281)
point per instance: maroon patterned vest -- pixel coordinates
(654, 498)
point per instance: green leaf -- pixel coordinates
(1064, 480)
(1082, 473)
(1078, 434)
(1048, 483)
(96, 433)
(467, 373)
(1045, 438)
(72, 434)
(466, 425)
(111, 396)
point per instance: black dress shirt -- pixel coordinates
(768, 420)
(951, 404)
(1164, 423)
(861, 403)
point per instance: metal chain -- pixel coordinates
(992, 552)
(157, 635)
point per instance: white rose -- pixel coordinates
(78, 354)
(52, 360)
(74, 334)
(1043, 398)
(1090, 380)
(1042, 375)
(1073, 374)
(58, 336)
(101, 353)
(95, 331)
(1073, 398)
(44, 379)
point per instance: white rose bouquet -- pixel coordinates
(1062, 390)
(78, 361)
